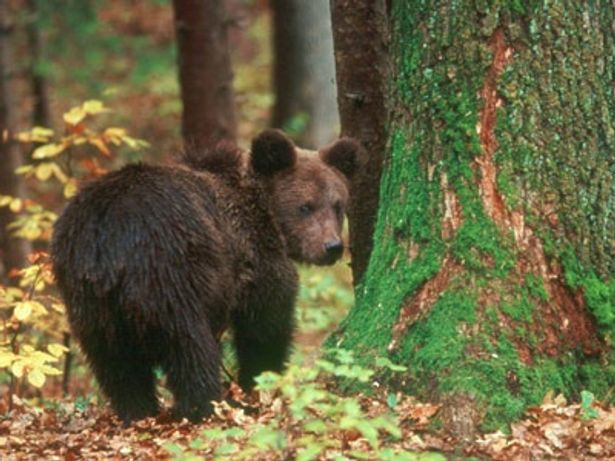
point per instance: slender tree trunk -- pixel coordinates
(492, 272)
(304, 71)
(38, 82)
(205, 74)
(14, 251)
(361, 58)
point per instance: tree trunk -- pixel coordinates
(41, 115)
(205, 74)
(304, 71)
(492, 272)
(361, 59)
(14, 251)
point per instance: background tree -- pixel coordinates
(41, 115)
(205, 75)
(304, 71)
(13, 250)
(361, 59)
(491, 276)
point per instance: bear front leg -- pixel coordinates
(193, 372)
(263, 336)
(125, 376)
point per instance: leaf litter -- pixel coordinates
(265, 422)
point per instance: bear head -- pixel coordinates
(309, 192)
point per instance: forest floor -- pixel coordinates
(301, 417)
(554, 430)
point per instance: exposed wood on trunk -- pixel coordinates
(304, 70)
(14, 251)
(204, 72)
(360, 34)
(417, 306)
(492, 200)
(564, 308)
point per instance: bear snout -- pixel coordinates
(334, 248)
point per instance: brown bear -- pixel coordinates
(155, 262)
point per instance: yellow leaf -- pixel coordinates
(114, 135)
(6, 358)
(58, 173)
(58, 307)
(50, 371)
(94, 106)
(43, 171)
(70, 188)
(38, 308)
(30, 231)
(36, 134)
(14, 292)
(5, 200)
(115, 131)
(56, 349)
(36, 377)
(48, 151)
(100, 144)
(24, 169)
(15, 205)
(17, 368)
(22, 310)
(40, 132)
(74, 116)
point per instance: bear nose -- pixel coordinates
(334, 248)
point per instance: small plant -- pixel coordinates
(33, 324)
(587, 409)
(302, 419)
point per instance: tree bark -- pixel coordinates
(41, 115)
(360, 33)
(304, 71)
(491, 277)
(205, 73)
(14, 251)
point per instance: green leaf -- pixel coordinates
(317, 425)
(226, 449)
(309, 452)
(392, 400)
(386, 363)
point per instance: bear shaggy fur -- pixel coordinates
(155, 262)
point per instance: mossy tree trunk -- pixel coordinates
(491, 276)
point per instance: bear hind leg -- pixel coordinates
(126, 377)
(192, 367)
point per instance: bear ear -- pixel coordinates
(343, 155)
(272, 151)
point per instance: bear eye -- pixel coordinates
(306, 209)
